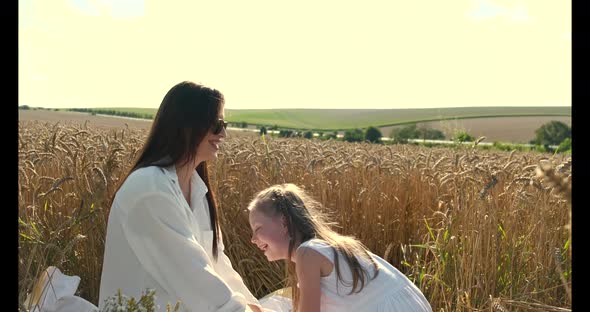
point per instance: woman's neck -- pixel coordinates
(184, 174)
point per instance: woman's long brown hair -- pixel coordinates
(184, 118)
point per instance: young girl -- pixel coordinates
(327, 271)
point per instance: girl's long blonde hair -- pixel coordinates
(305, 220)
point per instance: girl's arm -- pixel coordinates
(308, 271)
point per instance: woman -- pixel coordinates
(163, 229)
(327, 271)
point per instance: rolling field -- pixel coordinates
(475, 230)
(502, 129)
(322, 119)
(330, 119)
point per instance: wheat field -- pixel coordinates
(475, 230)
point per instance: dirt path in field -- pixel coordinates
(501, 129)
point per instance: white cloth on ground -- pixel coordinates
(276, 304)
(55, 292)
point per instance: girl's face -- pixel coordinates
(208, 148)
(270, 234)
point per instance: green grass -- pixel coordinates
(341, 119)
(325, 119)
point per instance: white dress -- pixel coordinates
(390, 291)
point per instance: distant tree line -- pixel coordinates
(403, 134)
(554, 133)
(239, 124)
(113, 112)
(27, 107)
(550, 134)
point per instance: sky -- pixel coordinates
(297, 54)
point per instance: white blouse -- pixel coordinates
(156, 240)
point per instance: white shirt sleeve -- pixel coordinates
(160, 235)
(226, 270)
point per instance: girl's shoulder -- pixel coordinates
(315, 243)
(319, 245)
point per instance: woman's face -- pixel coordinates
(270, 235)
(208, 148)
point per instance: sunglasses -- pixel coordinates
(219, 125)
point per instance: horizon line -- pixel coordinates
(298, 108)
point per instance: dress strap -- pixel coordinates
(320, 246)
